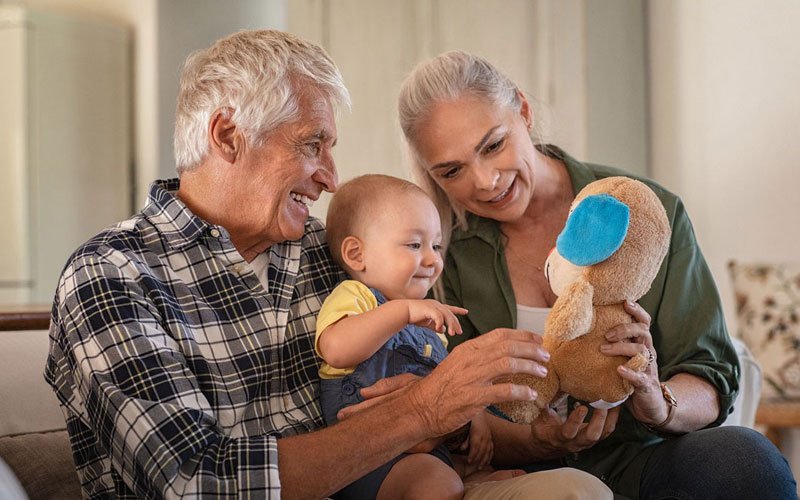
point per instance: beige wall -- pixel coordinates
(165, 32)
(140, 16)
(725, 106)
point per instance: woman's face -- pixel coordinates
(481, 155)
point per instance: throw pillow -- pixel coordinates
(768, 313)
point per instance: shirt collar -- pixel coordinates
(177, 224)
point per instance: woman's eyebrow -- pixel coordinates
(485, 138)
(478, 147)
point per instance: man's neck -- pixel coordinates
(206, 196)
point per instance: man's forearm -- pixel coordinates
(320, 463)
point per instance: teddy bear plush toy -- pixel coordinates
(610, 251)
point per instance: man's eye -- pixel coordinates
(314, 147)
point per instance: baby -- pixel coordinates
(386, 233)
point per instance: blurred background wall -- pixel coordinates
(701, 95)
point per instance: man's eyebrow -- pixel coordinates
(478, 147)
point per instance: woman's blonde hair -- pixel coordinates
(448, 77)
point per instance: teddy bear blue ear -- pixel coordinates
(595, 230)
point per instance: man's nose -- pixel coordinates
(327, 175)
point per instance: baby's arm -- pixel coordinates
(353, 339)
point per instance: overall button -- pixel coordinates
(348, 389)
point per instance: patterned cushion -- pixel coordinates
(768, 313)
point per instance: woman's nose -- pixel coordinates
(486, 177)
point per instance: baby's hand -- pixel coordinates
(435, 315)
(480, 444)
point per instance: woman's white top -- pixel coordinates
(532, 318)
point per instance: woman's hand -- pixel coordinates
(646, 403)
(554, 437)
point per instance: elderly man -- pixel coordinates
(182, 339)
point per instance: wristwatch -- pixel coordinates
(672, 403)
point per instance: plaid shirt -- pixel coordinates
(175, 369)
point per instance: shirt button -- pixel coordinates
(238, 268)
(215, 233)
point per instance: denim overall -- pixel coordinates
(404, 352)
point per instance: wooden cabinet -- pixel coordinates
(65, 142)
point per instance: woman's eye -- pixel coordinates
(450, 173)
(491, 148)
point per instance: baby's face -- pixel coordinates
(402, 253)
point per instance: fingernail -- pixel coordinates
(605, 347)
(542, 371)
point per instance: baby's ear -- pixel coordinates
(352, 253)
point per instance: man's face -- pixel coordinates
(276, 183)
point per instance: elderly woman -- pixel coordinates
(506, 199)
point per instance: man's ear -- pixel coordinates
(224, 137)
(353, 253)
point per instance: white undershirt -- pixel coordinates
(260, 265)
(532, 319)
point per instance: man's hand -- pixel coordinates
(463, 384)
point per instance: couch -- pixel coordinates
(33, 439)
(34, 446)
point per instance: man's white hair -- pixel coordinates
(256, 76)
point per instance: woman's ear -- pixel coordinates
(525, 110)
(224, 137)
(353, 253)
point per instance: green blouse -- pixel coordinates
(688, 326)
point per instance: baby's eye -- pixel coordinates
(414, 246)
(437, 248)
